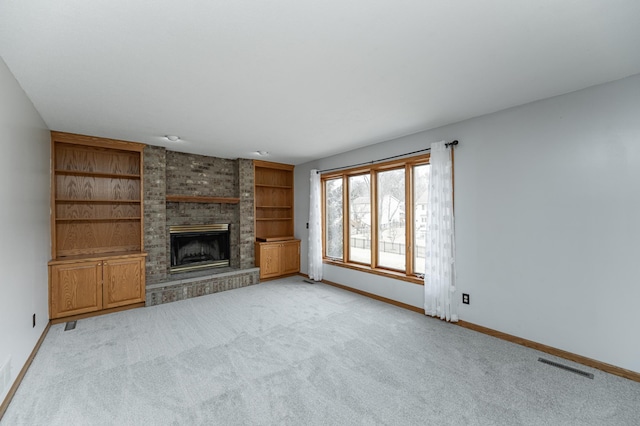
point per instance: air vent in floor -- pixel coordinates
(70, 326)
(566, 367)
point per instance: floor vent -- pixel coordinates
(70, 326)
(566, 367)
(309, 281)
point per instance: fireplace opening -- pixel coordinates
(199, 247)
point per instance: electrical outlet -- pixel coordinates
(34, 321)
(465, 298)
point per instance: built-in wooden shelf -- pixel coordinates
(97, 238)
(98, 256)
(277, 252)
(98, 200)
(276, 238)
(89, 219)
(96, 174)
(198, 199)
(261, 185)
(273, 187)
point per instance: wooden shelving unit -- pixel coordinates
(277, 251)
(96, 224)
(273, 200)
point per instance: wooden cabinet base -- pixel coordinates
(277, 259)
(123, 282)
(92, 285)
(75, 288)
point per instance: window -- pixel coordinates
(375, 217)
(391, 219)
(333, 215)
(360, 218)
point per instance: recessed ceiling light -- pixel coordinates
(173, 138)
(262, 153)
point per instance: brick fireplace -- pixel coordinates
(175, 173)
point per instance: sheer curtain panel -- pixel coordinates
(439, 277)
(315, 227)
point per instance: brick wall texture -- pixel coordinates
(155, 213)
(189, 174)
(247, 231)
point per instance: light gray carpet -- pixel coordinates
(288, 352)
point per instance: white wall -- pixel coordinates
(547, 219)
(24, 216)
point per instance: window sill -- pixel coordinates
(381, 272)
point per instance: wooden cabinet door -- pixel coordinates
(76, 288)
(270, 260)
(123, 281)
(290, 252)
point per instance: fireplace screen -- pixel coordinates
(199, 246)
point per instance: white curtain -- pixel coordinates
(440, 276)
(315, 228)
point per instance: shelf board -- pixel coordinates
(198, 199)
(97, 200)
(275, 238)
(261, 185)
(97, 219)
(274, 218)
(96, 256)
(96, 174)
(269, 165)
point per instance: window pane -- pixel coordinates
(420, 196)
(333, 213)
(360, 219)
(391, 223)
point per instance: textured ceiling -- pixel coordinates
(303, 79)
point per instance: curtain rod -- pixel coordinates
(452, 143)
